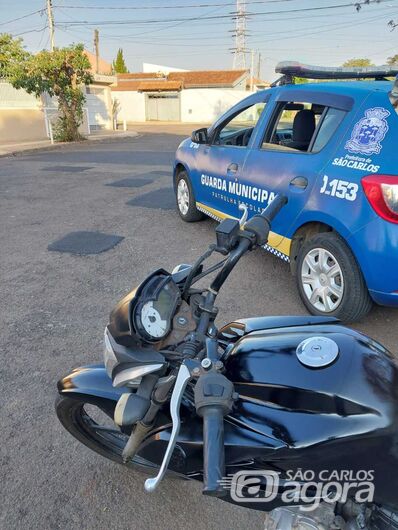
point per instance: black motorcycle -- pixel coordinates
(250, 409)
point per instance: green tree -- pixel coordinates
(60, 73)
(12, 54)
(393, 59)
(300, 80)
(119, 66)
(358, 62)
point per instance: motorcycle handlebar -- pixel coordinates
(213, 451)
(214, 395)
(260, 224)
(259, 227)
(271, 211)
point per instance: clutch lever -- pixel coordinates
(183, 377)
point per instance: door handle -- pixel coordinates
(299, 182)
(232, 168)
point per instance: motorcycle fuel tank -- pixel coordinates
(337, 413)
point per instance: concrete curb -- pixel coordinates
(15, 150)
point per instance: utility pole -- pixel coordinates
(259, 65)
(240, 36)
(50, 23)
(96, 47)
(252, 71)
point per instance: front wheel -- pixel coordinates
(329, 279)
(93, 428)
(186, 204)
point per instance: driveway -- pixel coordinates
(54, 307)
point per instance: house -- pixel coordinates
(187, 96)
(23, 117)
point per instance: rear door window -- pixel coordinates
(301, 126)
(330, 121)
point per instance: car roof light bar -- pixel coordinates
(291, 69)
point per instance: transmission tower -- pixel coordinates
(240, 33)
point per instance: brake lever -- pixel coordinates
(243, 219)
(183, 377)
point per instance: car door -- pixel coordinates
(291, 153)
(220, 164)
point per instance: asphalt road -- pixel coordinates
(53, 309)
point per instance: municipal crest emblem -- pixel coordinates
(369, 132)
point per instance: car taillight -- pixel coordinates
(382, 193)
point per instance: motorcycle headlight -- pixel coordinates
(110, 360)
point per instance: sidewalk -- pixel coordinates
(13, 148)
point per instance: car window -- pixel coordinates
(330, 122)
(238, 129)
(393, 95)
(293, 126)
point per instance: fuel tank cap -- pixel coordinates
(317, 352)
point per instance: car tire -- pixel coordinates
(329, 279)
(185, 199)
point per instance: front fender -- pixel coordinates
(93, 385)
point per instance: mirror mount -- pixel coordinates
(200, 136)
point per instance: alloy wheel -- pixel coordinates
(183, 196)
(322, 280)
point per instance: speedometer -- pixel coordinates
(155, 308)
(152, 322)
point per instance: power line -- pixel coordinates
(41, 11)
(183, 6)
(30, 31)
(303, 32)
(356, 5)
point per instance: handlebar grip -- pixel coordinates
(213, 451)
(214, 395)
(260, 224)
(271, 211)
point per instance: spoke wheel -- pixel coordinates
(322, 280)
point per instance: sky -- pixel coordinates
(198, 34)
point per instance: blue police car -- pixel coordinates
(331, 147)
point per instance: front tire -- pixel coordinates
(329, 279)
(185, 198)
(77, 418)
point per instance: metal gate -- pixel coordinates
(163, 107)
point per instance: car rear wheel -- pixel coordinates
(186, 204)
(329, 279)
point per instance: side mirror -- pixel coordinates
(200, 136)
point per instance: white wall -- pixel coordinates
(132, 105)
(150, 67)
(198, 105)
(12, 98)
(205, 105)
